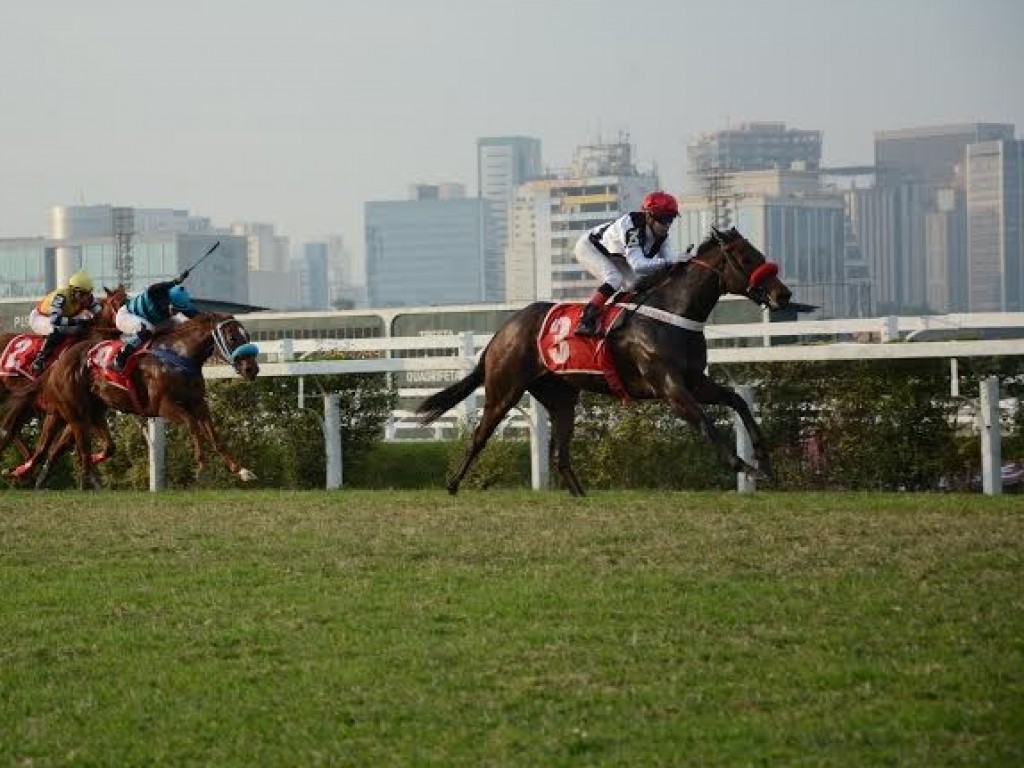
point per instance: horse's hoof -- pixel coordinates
(21, 470)
(247, 475)
(453, 488)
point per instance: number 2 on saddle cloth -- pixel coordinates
(18, 354)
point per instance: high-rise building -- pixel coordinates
(931, 155)
(427, 250)
(311, 269)
(793, 222)
(503, 163)
(994, 193)
(163, 242)
(753, 146)
(913, 226)
(550, 214)
(268, 254)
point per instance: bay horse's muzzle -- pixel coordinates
(766, 289)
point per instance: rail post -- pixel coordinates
(745, 483)
(540, 445)
(156, 436)
(332, 439)
(991, 450)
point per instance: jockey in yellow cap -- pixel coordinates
(62, 313)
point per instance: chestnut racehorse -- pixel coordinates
(659, 350)
(15, 379)
(165, 379)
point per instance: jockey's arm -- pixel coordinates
(57, 317)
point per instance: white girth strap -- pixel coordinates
(666, 317)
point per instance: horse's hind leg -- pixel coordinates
(716, 394)
(496, 406)
(559, 399)
(56, 447)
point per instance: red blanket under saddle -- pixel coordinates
(16, 358)
(564, 352)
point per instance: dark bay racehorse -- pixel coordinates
(659, 350)
(163, 380)
(16, 379)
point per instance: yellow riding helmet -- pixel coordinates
(81, 281)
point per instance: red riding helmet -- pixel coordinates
(661, 204)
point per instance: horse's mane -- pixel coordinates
(713, 238)
(209, 317)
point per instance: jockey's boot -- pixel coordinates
(130, 345)
(39, 364)
(588, 324)
(121, 358)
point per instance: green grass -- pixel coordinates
(510, 628)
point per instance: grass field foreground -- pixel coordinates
(518, 628)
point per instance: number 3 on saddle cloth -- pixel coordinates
(564, 352)
(17, 357)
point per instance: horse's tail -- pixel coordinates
(439, 402)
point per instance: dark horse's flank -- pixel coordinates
(167, 381)
(658, 356)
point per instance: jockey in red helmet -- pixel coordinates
(640, 237)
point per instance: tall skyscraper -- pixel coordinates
(913, 224)
(503, 163)
(994, 181)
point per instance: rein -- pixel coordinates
(753, 291)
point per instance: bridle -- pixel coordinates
(755, 290)
(233, 352)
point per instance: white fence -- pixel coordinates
(454, 355)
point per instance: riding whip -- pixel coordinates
(213, 248)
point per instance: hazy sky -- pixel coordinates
(296, 112)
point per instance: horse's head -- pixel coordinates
(115, 299)
(743, 269)
(234, 346)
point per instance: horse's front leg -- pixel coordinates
(200, 424)
(711, 393)
(686, 405)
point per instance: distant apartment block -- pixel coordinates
(793, 222)
(752, 146)
(426, 250)
(550, 214)
(136, 246)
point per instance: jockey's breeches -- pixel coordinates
(597, 264)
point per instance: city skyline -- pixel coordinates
(297, 116)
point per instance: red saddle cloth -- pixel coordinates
(101, 357)
(565, 352)
(17, 357)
